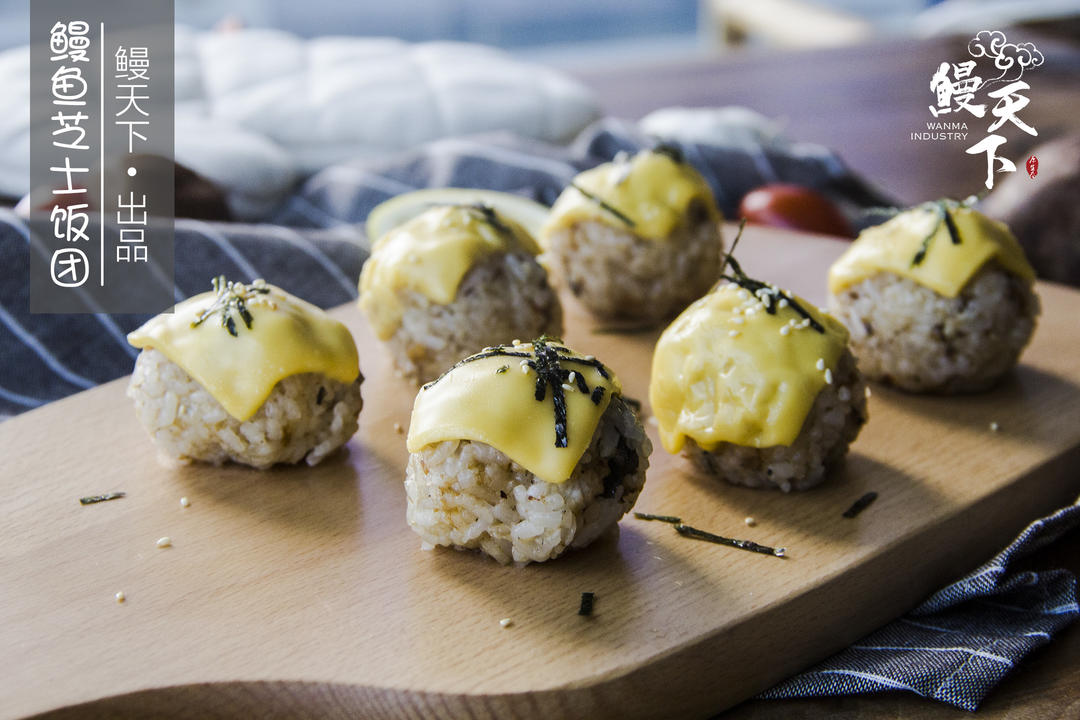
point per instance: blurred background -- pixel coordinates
(569, 32)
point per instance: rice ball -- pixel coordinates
(757, 387)
(636, 239)
(246, 374)
(494, 467)
(452, 280)
(938, 299)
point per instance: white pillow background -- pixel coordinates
(258, 109)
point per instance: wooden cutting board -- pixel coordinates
(301, 592)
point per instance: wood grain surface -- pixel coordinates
(301, 591)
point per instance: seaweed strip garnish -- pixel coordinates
(94, 499)
(749, 545)
(861, 504)
(603, 204)
(232, 297)
(588, 599)
(671, 150)
(943, 209)
(769, 295)
(673, 519)
(546, 360)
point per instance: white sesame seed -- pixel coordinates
(571, 377)
(524, 369)
(164, 542)
(515, 342)
(820, 364)
(184, 502)
(120, 597)
(398, 429)
(744, 294)
(783, 303)
(828, 376)
(567, 387)
(868, 393)
(506, 622)
(734, 333)
(785, 330)
(750, 522)
(738, 320)
(780, 552)
(590, 358)
(994, 427)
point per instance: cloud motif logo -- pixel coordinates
(1012, 59)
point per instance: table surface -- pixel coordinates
(864, 101)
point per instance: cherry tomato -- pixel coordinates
(794, 207)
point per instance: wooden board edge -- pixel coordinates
(663, 687)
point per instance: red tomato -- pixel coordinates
(793, 207)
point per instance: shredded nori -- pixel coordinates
(692, 532)
(320, 396)
(861, 504)
(93, 499)
(230, 297)
(659, 518)
(588, 599)
(771, 295)
(671, 150)
(490, 217)
(546, 359)
(599, 201)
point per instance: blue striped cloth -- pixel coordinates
(959, 643)
(953, 648)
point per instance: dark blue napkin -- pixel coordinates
(959, 643)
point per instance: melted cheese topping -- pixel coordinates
(651, 189)
(474, 401)
(288, 336)
(727, 371)
(947, 267)
(431, 255)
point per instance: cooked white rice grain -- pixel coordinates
(306, 417)
(908, 335)
(834, 420)
(503, 297)
(471, 496)
(619, 275)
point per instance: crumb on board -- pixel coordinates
(398, 429)
(94, 499)
(750, 522)
(506, 622)
(861, 504)
(120, 597)
(588, 599)
(164, 542)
